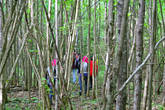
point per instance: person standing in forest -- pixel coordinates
(48, 78)
(74, 67)
(85, 73)
(78, 63)
(54, 70)
(91, 70)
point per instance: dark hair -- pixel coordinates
(91, 57)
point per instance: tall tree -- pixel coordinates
(139, 54)
(108, 85)
(122, 32)
(0, 53)
(94, 55)
(48, 35)
(163, 95)
(151, 49)
(57, 72)
(145, 93)
(163, 100)
(88, 42)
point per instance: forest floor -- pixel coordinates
(18, 99)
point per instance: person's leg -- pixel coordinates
(86, 81)
(90, 82)
(50, 96)
(80, 83)
(74, 75)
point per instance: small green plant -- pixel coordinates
(34, 100)
(159, 106)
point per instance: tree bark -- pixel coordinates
(122, 75)
(163, 100)
(145, 96)
(57, 72)
(163, 94)
(88, 43)
(1, 38)
(108, 83)
(48, 35)
(139, 54)
(94, 56)
(151, 49)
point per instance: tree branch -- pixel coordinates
(139, 67)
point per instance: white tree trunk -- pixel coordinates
(151, 61)
(139, 54)
(48, 35)
(56, 29)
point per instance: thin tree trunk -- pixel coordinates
(57, 72)
(107, 89)
(88, 43)
(48, 35)
(47, 46)
(139, 54)
(107, 58)
(1, 42)
(119, 100)
(105, 24)
(94, 57)
(145, 96)
(122, 75)
(163, 95)
(81, 32)
(151, 61)
(162, 16)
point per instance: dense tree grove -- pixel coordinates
(82, 54)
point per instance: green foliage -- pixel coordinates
(30, 40)
(34, 99)
(43, 79)
(129, 14)
(22, 103)
(101, 73)
(33, 51)
(159, 106)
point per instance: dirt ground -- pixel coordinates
(18, 99)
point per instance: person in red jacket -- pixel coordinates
(91, 70)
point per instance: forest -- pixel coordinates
(82, 55)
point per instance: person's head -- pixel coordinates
(74, 52)
(85, 59)
(91, 57)
(53, 62)
(77, 56)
